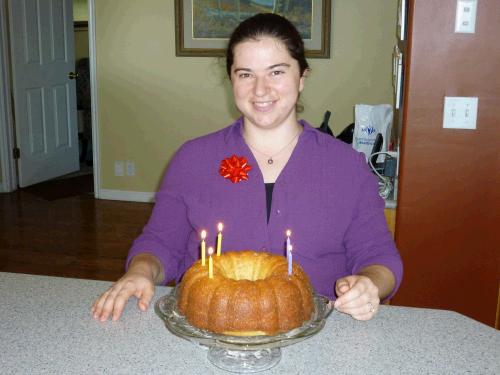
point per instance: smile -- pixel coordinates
(263, 106)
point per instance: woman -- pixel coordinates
(316, 186)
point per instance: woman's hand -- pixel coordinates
(359, 295)
(139, 282)
(112, 302)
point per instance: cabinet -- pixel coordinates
(448, 195)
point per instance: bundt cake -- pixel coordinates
(250, 294)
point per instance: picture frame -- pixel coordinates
(214, 23)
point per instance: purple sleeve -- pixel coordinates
(368, 240)
(166, 233)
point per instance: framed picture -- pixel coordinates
(202, 28)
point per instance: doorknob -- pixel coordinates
(72, 75)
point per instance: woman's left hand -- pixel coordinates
(358, 296)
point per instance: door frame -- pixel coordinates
(9, 180)
(93, 100)
(8, 165)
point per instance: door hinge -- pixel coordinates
(16, 152)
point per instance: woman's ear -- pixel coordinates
(302, 79)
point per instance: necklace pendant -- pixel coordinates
(270, 161)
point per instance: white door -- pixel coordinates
(42, 53)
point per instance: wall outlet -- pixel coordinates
(119, 169)
(130, 168)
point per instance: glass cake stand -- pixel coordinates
(236, 353)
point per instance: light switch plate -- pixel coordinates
(460, 112)
(465, 17)
(130, 168)
(119, 170)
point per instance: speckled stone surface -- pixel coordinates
(46, 328)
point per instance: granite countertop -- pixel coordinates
(46, 328)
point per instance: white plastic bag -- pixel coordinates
(369, 120)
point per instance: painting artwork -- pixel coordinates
(217, 19)
(204, 26)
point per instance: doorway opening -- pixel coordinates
(81, 181)
(69, 102)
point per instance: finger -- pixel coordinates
(364, 317)
(364, 312)
(349, 298)
(356, 307)
(352, 307)
(344, 284)
(106, 309)
(365, 301)
(95, 305)
(99, 301)
(341, 287)
(353, 311)
(145, 297)
(361, 287)
(119, 303)
(99, 304)
(109, 303)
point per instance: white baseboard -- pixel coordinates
(130, 196)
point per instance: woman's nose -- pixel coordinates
(260, 86)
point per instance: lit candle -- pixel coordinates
(288, 244)
(289, 251)
(290, 261)
(203, 236)
(219, 239)
(210, 263)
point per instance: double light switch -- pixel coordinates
(460, 112)
(465, 18)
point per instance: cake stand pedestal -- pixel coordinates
(236, 353)
(244, 361)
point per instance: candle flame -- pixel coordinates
(203, 234)
(210, 251)
(219, 227)
(288, 233)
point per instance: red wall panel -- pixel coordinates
(448, 227)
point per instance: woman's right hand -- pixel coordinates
(139, 282)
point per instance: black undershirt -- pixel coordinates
(269, 198)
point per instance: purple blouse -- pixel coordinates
(325, 195)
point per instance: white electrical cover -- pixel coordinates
(465, 18)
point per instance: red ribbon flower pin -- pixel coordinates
(234, 168)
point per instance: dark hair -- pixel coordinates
(271, 25)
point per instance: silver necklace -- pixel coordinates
(270, 158)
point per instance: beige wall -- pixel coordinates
(81, 44)
(80, 13)
(80, 10)
(151, 101)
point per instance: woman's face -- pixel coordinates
(266, 82)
